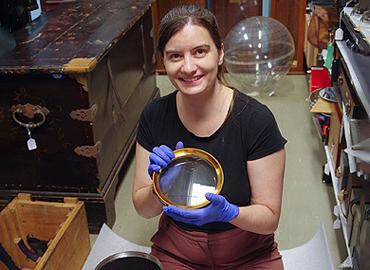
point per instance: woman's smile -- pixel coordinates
(191, 79)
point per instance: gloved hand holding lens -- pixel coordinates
(218, 210)
(160, 157)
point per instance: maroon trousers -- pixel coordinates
(235, 249)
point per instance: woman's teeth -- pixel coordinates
(191, 79)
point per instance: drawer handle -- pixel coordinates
(29, 111)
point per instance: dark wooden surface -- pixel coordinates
(291, 13)
(229, 13)
(56, 138)
(96, 56)
(82, 29)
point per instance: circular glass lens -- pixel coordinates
(186, 180)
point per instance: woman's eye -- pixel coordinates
(175, 57)
(200, 52)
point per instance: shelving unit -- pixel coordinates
(350, 65)
(339, 206)
(355, 64)
(349, 127)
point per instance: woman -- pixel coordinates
(236, 230)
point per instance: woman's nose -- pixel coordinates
(188, 65)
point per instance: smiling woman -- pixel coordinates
(235, 230)
(191, 60)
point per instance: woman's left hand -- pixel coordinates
(219, 210)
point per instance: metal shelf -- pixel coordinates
(357, 66)
(339, 205)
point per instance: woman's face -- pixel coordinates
(191, 59)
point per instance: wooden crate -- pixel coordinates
(64, 225)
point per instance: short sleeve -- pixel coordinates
(264, 136)
(144, 134)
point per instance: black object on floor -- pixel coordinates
(7, 260)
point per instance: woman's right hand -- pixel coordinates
(160, 157)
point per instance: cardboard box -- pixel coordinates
(62, 224)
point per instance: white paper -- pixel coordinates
(336, 224)
(198, 193)
(107, 244)
(326, 169)
(347, 263)
(339, 34)
(313, 255)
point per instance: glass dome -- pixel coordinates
(258, 52)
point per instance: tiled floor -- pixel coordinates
(307, 201)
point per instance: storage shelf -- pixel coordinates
(342, 214)
(356, 64)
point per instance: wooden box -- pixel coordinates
(78, 77)
(63, 225)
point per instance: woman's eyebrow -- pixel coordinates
(204, 46)
(171, 51)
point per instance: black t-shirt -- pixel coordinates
(250, 132)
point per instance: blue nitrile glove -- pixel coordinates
(160, 157)
(218, 210)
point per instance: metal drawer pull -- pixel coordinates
(29, 111)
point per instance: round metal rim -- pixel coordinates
(128, 254)
(321, 94)
(184, 152)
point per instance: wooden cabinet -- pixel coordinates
(230, 12)
(78, 78)
(292, 14)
